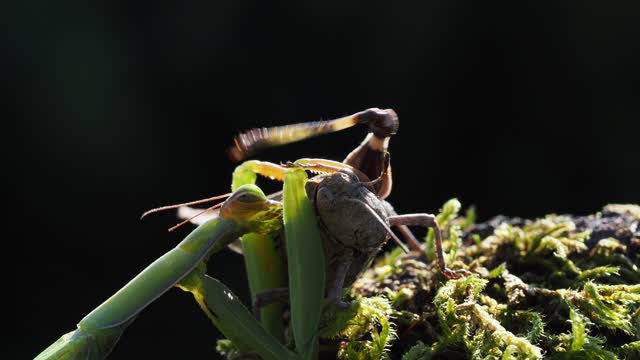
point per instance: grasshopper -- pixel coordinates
(348, 197)
(333, 226)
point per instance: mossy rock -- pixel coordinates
(555, 287)
(558, 287)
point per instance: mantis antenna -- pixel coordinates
(169, 207)
(195, 216)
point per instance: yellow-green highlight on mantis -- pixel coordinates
(246, 211)
(265, 265)
(306, 262)
(305, 256)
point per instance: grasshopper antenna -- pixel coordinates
(169, 207)
(386, 227)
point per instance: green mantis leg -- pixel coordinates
(306, 263)
(247, 210)
(99, 331)
(232, 318)
(264, 261)
(305, 255)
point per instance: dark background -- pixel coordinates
(520, 109)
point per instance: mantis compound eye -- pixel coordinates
(248, 197)
(247, 194)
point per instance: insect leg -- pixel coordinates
(324, 166)
(407, 234)
(263, 257)
(100, 330)
(368, 157)
(429, 220)
(254, 140)
(305, 261)
(268, 297)
(247, 172)
(382, 124)
(233, 319)
(341, 266)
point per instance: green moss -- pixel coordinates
(363, 331)
(543, 288)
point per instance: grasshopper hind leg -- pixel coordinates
(369, 156)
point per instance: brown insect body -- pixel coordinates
(348, 196)
(350, 218)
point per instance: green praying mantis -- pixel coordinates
(331, 225)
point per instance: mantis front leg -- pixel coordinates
(100, 330)
(263, 255)
(232, 318)
(305, 261)
(305, 253)
(247, 210)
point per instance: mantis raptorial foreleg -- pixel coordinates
(232, 318)
(246, 211)
(304, 254)
(305, 262)
(263, 255)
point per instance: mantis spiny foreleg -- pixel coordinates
(247, 210)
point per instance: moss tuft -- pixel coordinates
(557, 287)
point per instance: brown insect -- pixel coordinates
(348, 196)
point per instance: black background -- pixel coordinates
(519, 108)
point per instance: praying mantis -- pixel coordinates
(331, 226)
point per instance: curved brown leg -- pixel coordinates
(429, 220)
(268, 297)
(407, 234)
(368, 157)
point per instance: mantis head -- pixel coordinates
(250, 207)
